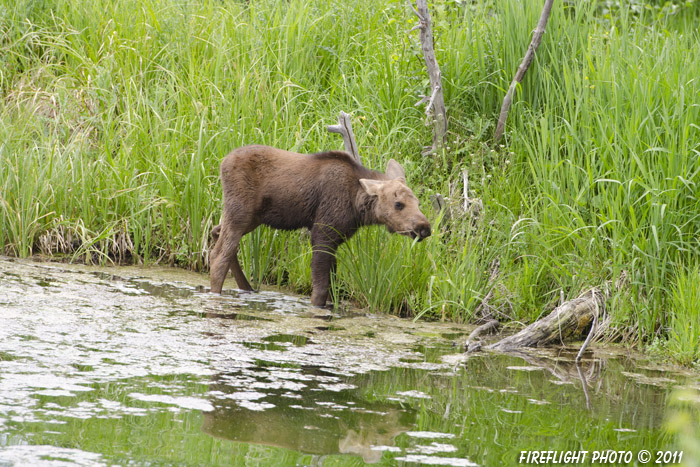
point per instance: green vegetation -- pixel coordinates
(114, 117)
(684, 339)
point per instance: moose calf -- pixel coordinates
(329, 193)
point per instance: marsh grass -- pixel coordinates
(684, 333)
(114, 118)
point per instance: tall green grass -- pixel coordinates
(684, 326)
(114, 117)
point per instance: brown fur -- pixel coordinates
(329, 193)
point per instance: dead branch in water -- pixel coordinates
(436, 101)
(344, 129)
(522, 69)
(473, 343)
(590, 335)
(568, 321)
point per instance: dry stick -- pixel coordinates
(472, 206)
(465, 175)
(436, 102)
(344, 128)
(522, 69)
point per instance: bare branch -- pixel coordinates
(432, 99)
(522, 69)
(590, 334)
(344, 129)
(473, 343)
(420, 18)
(423, 100)
(437, 100)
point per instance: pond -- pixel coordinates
(104, 366)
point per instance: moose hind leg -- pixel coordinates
(225, 256)
(238, 273)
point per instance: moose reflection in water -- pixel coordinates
(319, 422)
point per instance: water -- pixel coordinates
(103, 366)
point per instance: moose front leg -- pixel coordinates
(323, 263)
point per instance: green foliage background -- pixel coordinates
(114, 117)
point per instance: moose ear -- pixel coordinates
(371, 186)
(395, 171)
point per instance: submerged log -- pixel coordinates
(568, 321)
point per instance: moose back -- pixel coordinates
(328, 193)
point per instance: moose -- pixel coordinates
(329, 193)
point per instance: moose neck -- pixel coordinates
(364, 206)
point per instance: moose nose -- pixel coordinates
(424, 231)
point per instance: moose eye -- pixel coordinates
(398, 206)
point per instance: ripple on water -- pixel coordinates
(89, 346)
(116, 353)
(48, 456)
(182, 402)
(435, 460)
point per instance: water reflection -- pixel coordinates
(306, 409)
(94, 363)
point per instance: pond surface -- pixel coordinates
(104, 366)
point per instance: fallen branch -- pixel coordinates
(522, 69)
(568, 321)
(344, 129)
